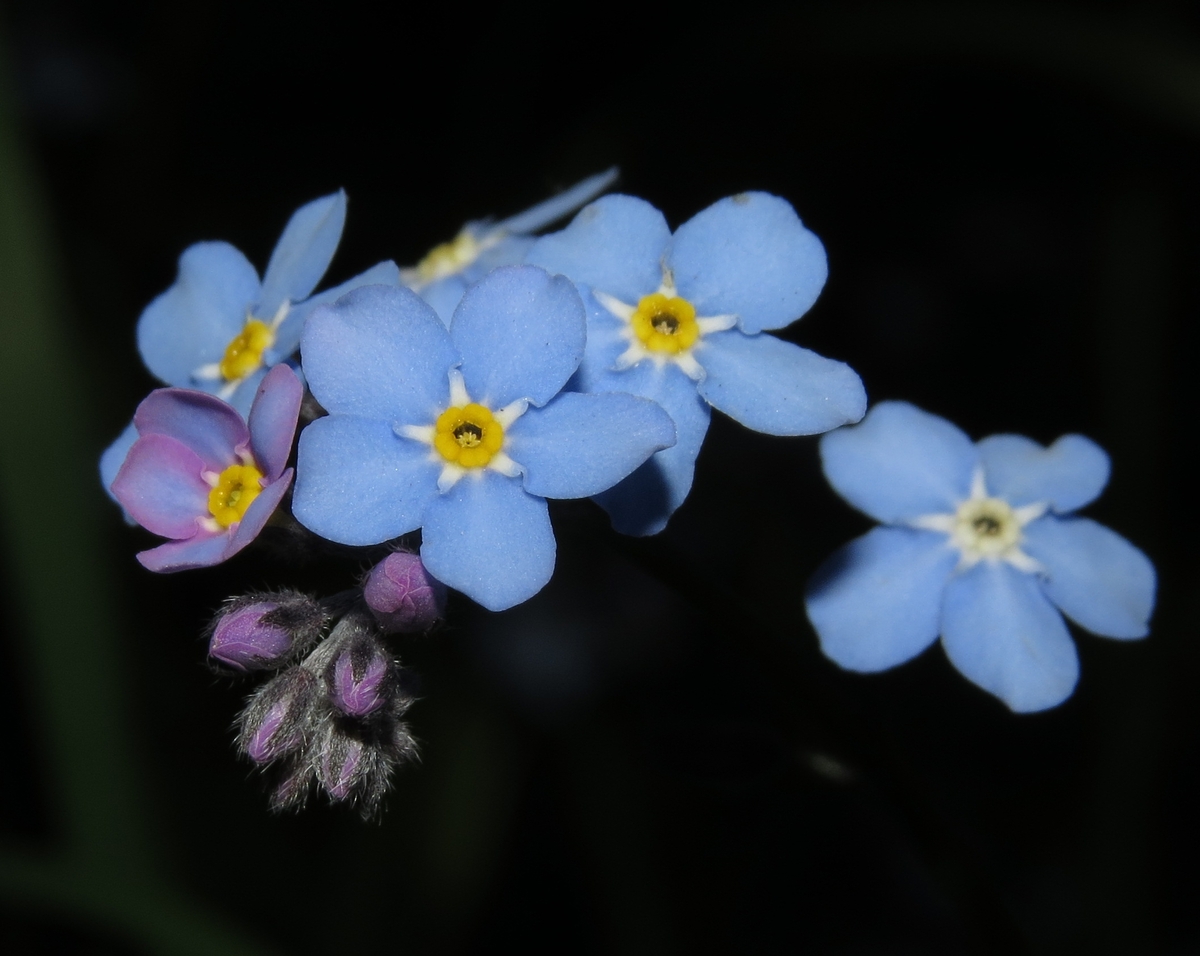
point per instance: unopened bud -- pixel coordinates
(260, 631)
(342, 764)
(360, 677)
(402, 595)
(276, 720)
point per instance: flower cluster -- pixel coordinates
(446, 404)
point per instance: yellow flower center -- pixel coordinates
(237, 486)
(448, 258)
(987, 526)
(244, 354)
(468, 436)
(665, 324)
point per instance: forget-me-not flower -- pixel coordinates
(462, 432)
(978, 544)
(446, 271)
(680, 319)
(199, 475)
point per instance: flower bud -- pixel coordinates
(276, 720)
(402, 595)
(360, 677)
(261, 631)
(343, 763)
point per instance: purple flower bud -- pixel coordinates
(341, 767)
(276, 720)
(245, 641)
(402, 595)
(360, 678)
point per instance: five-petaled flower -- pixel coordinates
(978, 545)
(198, 475)
(679, 319)
(462, 432)
(443, 275)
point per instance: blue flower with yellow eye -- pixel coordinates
(979, 544)
(681, 318)
(462, 431)
(446, 271)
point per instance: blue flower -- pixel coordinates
(199, 475)
(679, 319)
(444, 274)
(979, 545)
(462, 432)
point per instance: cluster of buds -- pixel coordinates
(330, 717)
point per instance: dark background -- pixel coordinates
(652, 755)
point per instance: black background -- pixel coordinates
(652, 755)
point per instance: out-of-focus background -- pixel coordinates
(652, 755)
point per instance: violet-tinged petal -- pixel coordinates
(202, 550)
(490, 539)
(776, 387)
(273, 420)
(303, 252)
(1002, 633)
(113, 458)
(379, 352)
(580, 444)
(258, 514)
(1068, 475)
(521, 333)
(161, 487)
(748, 255)
(205, 424)
(1097, 578)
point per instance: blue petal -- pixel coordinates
(359, 483)
(273, 419)
(565, 203)
(1069, 474)
(379, 352)
(641, 504)
(521, 333)
(581, 445)
(776, 387)
(1002, 634)
(605, 344)
(749, 255)
(900, 462)
(114, 456)
(489, 539)
(243, 396)
(191, 323)
(303, 252)
(287, 336)
(202, 422)
(614, 245)
(509, 251)
(444, 296)
(877, 602)
(1099, 580)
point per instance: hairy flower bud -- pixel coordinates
(360, 677)
(277, 718)
(402, 595)
(262, 631)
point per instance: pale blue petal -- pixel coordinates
(444, 296)
(1002, 633)
(581, 445)
(877, 602)
(605, 344)
(565, 203)
(750, 256)
(202, 422)
(900, 462)
(273, 419)
(287, 336)
(521, 334)
(191, 323)
(776, 387)
(114, 456)
(359, 483)
(509, 251)
(1099, 580)
(379, 352)
(614, 245)
(1069, 474)
(641, 504)
(490, 539)
(303, 252)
